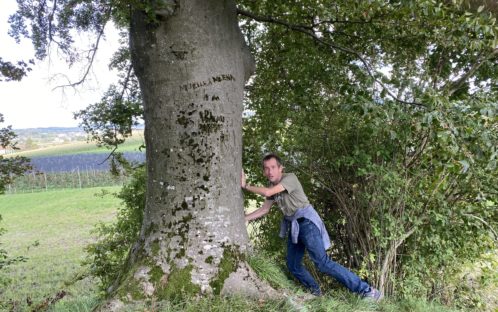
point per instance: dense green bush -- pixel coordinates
(396, 153)
(405, 214)
(107, 256)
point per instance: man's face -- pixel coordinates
(272, 170)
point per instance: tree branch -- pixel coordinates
(111, 154)
(485, 223)
(389, 257)
(455, 85)
(418, 152)
(270, 19)
(340, 22)
(92, 51)
(125, 83)
(309, 31)
(50, 20)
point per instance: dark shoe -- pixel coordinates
(373, 294)
(316, 292)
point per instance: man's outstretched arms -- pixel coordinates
(263, 191)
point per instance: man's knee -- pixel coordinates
(324, 264)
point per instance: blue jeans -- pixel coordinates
(310, 239)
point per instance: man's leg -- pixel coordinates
(310, 236)
(295, 253)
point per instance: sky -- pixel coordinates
(35, 101)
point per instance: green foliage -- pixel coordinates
(13, 72)
(12, 167)
(107, 256)
(47, 23)
(387, 113)
(110, 121)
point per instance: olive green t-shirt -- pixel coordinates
(293, 197)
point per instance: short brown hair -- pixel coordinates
(270, 156)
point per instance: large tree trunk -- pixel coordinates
(192, 64)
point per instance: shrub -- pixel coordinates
(107, 256)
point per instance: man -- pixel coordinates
(307, 231)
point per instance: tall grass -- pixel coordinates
(50, 229)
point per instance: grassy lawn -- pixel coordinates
(50, 229)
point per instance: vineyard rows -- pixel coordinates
(70, 171)
(81, 162)
(35, 182)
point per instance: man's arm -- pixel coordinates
(265, 208)
(264, 191)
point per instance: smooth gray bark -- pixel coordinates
(192, 64)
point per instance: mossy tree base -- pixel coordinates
(245, 282)
(141, 288)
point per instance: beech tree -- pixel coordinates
(193, 236)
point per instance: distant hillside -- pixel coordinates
(32, 139)
(47, 130)
(72, 147)
(55, 130)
